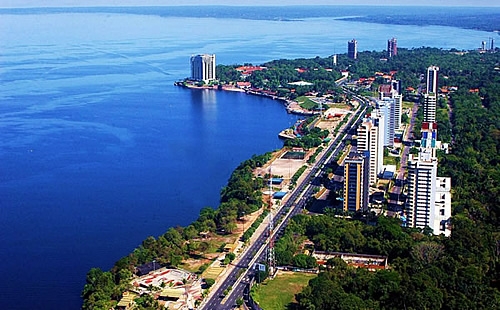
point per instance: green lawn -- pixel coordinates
(306, 103)
(408, 104)
(391, 160)
(277, 293)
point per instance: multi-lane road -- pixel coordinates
(238, 276)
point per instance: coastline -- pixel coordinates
(291, 106)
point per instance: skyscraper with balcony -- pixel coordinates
(429, 197)
(352, 49)
(388, 108)
(429, 106)
(356, 174)
(203, 67)
(432, 80)
(368, 141)
(392, 47)
(391, 91)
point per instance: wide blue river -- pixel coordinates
(99, 150)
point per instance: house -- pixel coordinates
(127, 301)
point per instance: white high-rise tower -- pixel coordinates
(203, 67)
(429, 106)
(368, 140)
(432, 80)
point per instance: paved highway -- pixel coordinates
(239, 274)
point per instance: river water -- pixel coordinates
(99, 150)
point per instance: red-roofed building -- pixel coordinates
(248, 70)
(244, 84)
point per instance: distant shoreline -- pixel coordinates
(479, 18)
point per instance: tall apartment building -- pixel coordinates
(429, 197)
(429, 106)
(356, 170)
(432, 80)
(396, 86)
(393, 91)
(392, 47)
(483, 46)
(352, 49)
(387, 107)
(203, 67)
(378, 120)
(422, 174)
(368, 141)
(397, 110)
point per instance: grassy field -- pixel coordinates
(408, 104)
(306, 103)
(391, 160)
(277, 293)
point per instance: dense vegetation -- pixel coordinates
(427, 272)
(279, 73)
(310, 138)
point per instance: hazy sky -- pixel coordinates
(47, 3)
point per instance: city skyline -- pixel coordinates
(65, 3)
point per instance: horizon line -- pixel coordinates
(246, 5)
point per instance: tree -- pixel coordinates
(405, 118)
(98, 289)
(239, 301)
(209, 282)
(304, 261)
(146, 301)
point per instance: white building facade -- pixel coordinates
(432, 80)
(203, 67)
(429, 196)
(368, 141)
(429, 107)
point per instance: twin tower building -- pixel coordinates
(203, 68)
(429, 200)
